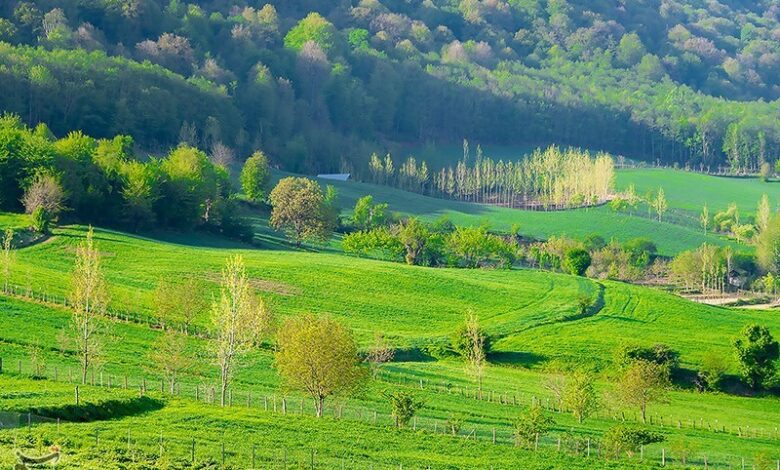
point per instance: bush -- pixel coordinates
(659, 353)
(641, 251)
(462, 342)
(713, 368)
(628, 439)
(403, 406)
(577, 261)
(41, 220)
(531, 425)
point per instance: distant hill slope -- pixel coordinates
(320, 84)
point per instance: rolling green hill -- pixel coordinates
(531, 313)
(671, 238)
(690, 191)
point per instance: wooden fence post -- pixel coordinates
(77, 395)
(192, 451)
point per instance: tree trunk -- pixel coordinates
(319, 403)
(84, 368)
(224, 386)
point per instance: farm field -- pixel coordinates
(690, 191)
(669, 237)
(532, 315)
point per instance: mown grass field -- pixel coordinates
(691, 191)
(532, 314)
(670, 238)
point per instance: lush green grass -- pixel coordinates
(532, 314)
(669, 237)
(691, 191)
(280, 441)
(180, 420)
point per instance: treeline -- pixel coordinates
(109, 95)
(319, 91)
(102, 180)
(551, 177)
(373, 231)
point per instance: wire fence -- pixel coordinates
(485, 430)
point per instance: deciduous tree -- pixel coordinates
(580, 395)
(255, 177)
(89, 300)
(239, 319)
(299, 208)
(642, 384)
(170, 356)
(757, 353)
(317, 355)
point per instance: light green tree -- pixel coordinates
(580, 395)
(89, 300)
(763, 213)
(704, 218)
(239, 320)
(319, 356)
(300, 210)
(255, 177)
(659, 203)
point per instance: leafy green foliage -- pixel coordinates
(463, 343)
(624, 439)
(366, 215)
(757, 352)
(531, 425)
(256, 176)
(300, 209)
(403, 406)
(41, 220)
(313, 28)
(577, 261)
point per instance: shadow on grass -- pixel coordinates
(516, 358)
(688, 379)
(106, 410)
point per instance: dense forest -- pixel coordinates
(320, 85)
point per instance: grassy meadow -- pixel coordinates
(533, 317)
(532, 314)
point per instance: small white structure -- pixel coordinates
(334, 176)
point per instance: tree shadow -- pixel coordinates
(516, 358)
(102, 411)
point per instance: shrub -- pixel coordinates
(531, 425)
(713, 368)
(41, 220)
(403, 406)
(659, 354)
(628, 439)
(462, 342)
(577, 261)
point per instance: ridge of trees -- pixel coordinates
(318, 85)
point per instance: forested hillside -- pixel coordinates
(319, 85)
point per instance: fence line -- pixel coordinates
(499, 434)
